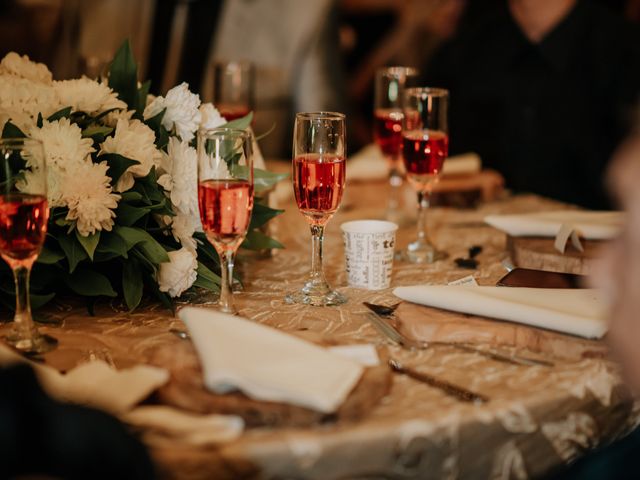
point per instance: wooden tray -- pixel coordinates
(185, 390)
(540, 254)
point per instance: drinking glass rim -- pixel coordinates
(397, 70)
(321, 115)
(217, 131)
(426, 91)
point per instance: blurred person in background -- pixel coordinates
(542, 90)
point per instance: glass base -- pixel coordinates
(423, 252)
(38, 343)
(318, 296)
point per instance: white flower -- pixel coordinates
(135, 141)
(22, 100)
(177, 275)
(86, 95)
(65, 152)
(181, 111)
(211, 117)
(90, 199)
(111, 118)
(183, 227)
(179, 176)
(22, 67)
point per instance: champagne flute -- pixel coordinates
(387, 126)
(225, 197)
(23, 227)
(425, 146)
(233, 88)
(319, 157)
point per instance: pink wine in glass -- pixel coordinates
(424, 152)
(318, 182)
(233, 112)
(225, 210)
(23, 226)
(387, 131)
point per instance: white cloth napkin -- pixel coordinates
(369, 164)
(589, 224)
(267, 364)
(580, 312)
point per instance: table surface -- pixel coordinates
(537, 418)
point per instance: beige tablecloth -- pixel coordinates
(537, 419)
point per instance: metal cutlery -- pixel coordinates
(378, 315)
(460, 393)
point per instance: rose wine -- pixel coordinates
(318, 182)
(233, 112)
(225, 210)
(387, 131)
(23, 226)
(424, 152)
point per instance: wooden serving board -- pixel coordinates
(186, 390)
(539, 254)
(432, 324)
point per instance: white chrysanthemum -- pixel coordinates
(90, 199)
(135, 141)
(86, 95)
(22, 100)
(111, 119)
(177, 275)
(23, 67)
(179, 176)
(181, 111)
(183, 227)
(211, 117)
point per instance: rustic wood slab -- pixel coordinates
(185, 390)
(540, 254)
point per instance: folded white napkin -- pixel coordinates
(267, 364)
(590, 225)
(575, 311)
(369, 164)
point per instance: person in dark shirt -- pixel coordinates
(543, 90)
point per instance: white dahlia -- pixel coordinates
(135, 141)
(86, 95)
(22, 100)
(181, 111)
(111, 118)
(179, 176)
(179, 273)
(90, 199)
(183, 226)
(211, 117)
(23, 67)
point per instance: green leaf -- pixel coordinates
(264, 180)
(256, 240)
(89, 243)
(143, 91)
(148, 245)
(89, 283)
(49, 257)
(155, 124)
(63, 113)
(117, 165)
(130, 196)
(74, 252)
(38, 300)
(262, 214)
(207, 279)
(96, 131)
(39, 121)
(123, 76)
(11, 131)
(132, 284)
(240, 123)
(128, 215)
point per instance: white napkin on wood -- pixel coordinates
(267, 364)
(580, 312)
(589, 224)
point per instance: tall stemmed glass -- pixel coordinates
(225, 197)
(233, 88)
(387, 126)
(319, 154)
(425, 146)
(23, 227)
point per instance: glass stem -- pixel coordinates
(227, 259)
(317, 237)
(423, 207)
(23, 321)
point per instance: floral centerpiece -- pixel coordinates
(122, 183)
